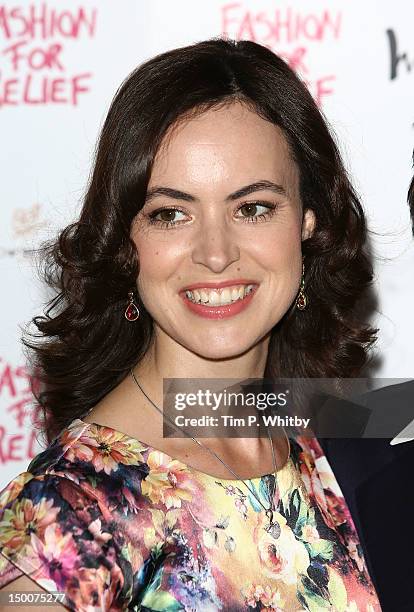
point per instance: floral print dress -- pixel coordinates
(115, 524)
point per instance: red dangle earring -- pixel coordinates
(302, 299)
(132, 310)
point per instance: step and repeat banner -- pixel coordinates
(61, 62)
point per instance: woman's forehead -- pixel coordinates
(221, 143)
(225, 125)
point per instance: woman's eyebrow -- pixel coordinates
(240, 193)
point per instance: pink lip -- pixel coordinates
(235, 281)
(219, 312)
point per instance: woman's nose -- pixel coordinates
(215, 246)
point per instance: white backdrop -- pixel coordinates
(60, 64)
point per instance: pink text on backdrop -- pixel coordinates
(41, 21)
(32, 63)
(280, 25)
(17, 447)
(19, 441)
(288, 33)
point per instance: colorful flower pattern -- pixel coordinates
(118, 525)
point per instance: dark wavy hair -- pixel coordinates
(86, 346)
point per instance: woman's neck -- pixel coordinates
(127, 408)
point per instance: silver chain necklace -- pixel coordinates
(272, 527)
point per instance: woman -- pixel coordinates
(216, 178)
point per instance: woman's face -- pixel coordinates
(222, 205)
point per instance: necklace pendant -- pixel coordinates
(273, 527)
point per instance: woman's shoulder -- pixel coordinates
(90, 456)
(43, 473)
(83, 443)
(85, 462)
(60, 520)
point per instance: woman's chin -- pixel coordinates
(222, 348)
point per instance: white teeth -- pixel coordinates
(215, 297)
(225, 297)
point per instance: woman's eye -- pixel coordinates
(167, 217)
(252, 208)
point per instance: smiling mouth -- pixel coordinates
(219, 297)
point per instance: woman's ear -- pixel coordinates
(308, 224)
